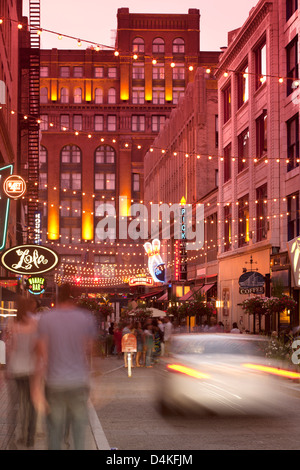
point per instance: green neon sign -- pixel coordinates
(5, 171)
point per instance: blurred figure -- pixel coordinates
(168, 331)
(126, 330)
(139, 344)
(22, 333)
(220, 327)
(66, 336)
(235, 329)
(110, 339)
(149, 344)
(118, 340)
(158, 336)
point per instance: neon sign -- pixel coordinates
(156, 265)
(140, 281)
(36, 285)
(29, 259)
(14, 186)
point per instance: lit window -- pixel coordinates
(138, 45)
(64, 95)
(158, 72)
(78, 72)
(138, 71)
(99, 96)
(44, 122)
(98, 122)
(138, 95)
(178, 46)
(261, 64)
(44, 71)
(137, 123)
(64, 72)
(112, 96)
(44, 95)
(111, 123)
(158, 46)
(98, 72)
(178, 72)
(112, 72)
(77, 122)
(64, 122)
(158, 96)
(77, 95)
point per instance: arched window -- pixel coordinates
(44, 95)
(99, 96)
(77, 95)
(158, 45)
(105, 155)
(70, 154)
(64, 95)
(178, 46)
(112, 96)
(138, 45)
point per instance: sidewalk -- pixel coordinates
(95, 437)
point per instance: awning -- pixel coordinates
(207, 287)
(163, 297)
(189, 295)
(151, 294)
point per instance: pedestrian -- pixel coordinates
(22, 334)
(127, 329)
(65, 339)
(168, 331)
(158, 337)
(139, 344)
(118, 340)
(220, 327)
(235, 329)
(110, 339)
(148, 345)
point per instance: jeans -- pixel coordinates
(27, 413)
(67, 407)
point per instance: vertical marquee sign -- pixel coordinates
(5, 172)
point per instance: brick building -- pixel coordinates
(100, 111)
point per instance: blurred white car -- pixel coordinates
(219, 373)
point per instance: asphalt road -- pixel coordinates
(127, 410)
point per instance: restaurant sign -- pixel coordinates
(140, 281)
(252, 282)
(29, 259)
(36, 285)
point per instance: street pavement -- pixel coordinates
(95, 437)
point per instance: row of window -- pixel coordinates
(244, 234)
(103, 123)
(138, 95)
(77, 71)
(158, 46)
(292, 128)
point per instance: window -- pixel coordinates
(112, 96)
(178, 46)
(227, 163)
(44, 95)
(137, 123)
(70, 235)
(70, 208)
(99, 122)
(64, 95)
(77, 95)
(138, 95)
(104, 155)
(243, 86)
(43, 156)
(99, 96)
(158, 46)
(293, 142)
(178, 92)
(291, 7)
(243, 149)
(136, 182)
(44, 71)
(77, 72)
(216, 131)
(292, 65)
(178, 72)
(157, 123)
(227, 227)
(158, 96)
(111, 123)
(261, 64)
(105, 181)
(42, 180)
(77, 122)
(44, 122)
(227, 103)
(261, 135)
(98, 72)
(64, 122)
(138, 45)
(293, 216)
(261, 213)
(138, 71)
(71, 154)
(64, 72)
(70, 180)
(112, 72)
(243, 225)
(158, 72)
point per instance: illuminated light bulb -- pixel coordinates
(64, 128)
(12, 112)
(208, 70)
(126, 145)
(174, 153)
(59, 36)
(245, 75)
(154, 61)
(135, 56)
(116, 53)
(139, 146)
(225, 74)
(90, 136)
(209, 157)
(172, 64)
(39, 32)
(266, 160)
(51, 124)
(76, 133)
(278, 161)
(151, 150)
(97, 48)
(280, 80)
(1, 20)
(114, 141)
(191, 68)
(262, 79)
(20, 26)
(163, 151)
(102, 139)
(25, 117)
(198, 156)
(79, 43)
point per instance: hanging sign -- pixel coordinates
(14, 186)
(5, 172)
(156, 265)
(36, 285)
(140, 281)
(29, 259)
(252, 282)
(294, 253)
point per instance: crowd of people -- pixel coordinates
(152, 340)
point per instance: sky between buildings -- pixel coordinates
(95, 20)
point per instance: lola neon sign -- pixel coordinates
(29, 259)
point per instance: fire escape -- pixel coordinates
(34, 113)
